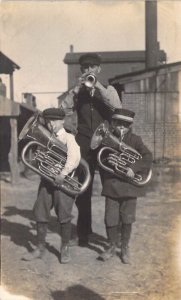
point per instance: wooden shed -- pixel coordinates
(9, 112)
(155, 96)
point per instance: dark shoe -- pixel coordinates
(107, 254)
(38, 253)
(125, 255)
(64, 255)
(83, 242)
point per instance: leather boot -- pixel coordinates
(40, 250)
(125, 237)
(65, 234)
(118, 243)
(125, 255)
(64, 254)
(108, 253)
(111, 250)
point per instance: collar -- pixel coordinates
(60, 132)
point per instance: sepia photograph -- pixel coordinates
(90, 150)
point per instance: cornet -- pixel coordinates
(90, 80)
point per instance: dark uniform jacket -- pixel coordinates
(91, 112)
(115, 187)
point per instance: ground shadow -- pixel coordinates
(95, 241)
(28, 214)
(13, 210)
(21, 234)
(76, 292)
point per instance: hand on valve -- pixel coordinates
(130, 173)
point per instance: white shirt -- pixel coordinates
(73, 151)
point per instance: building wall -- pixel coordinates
(156, 102)
(109, 70)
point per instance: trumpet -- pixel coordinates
(90, 80)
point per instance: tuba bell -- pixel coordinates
(116, 157)
(48, 157)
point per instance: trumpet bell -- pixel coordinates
(90, 80)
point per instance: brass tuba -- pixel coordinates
(48, 157)
(116, 157)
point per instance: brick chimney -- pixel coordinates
(151, 43)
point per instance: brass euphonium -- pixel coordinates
(48, 157)
(115, 156)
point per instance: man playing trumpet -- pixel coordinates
(89, 103)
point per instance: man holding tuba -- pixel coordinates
(121, 195)
(50, 196)
(92, 103)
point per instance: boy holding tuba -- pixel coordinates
(121, 196)
(49, 196)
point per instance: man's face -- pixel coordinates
(122, 126)
(56, 125)
(90, 68)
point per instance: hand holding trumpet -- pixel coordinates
(87, 79)
(90, 80)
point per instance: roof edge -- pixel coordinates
(114, 56)
(140, 72)
(7, 65)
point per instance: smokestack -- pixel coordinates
(71, 48)
(152, 46)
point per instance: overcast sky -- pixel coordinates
(37, 35)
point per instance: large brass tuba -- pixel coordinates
(115, 156)
(48, 157)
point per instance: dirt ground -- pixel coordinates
(155, 269)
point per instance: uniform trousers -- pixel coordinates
(50, 197)
(83, 202)
(120, 210)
